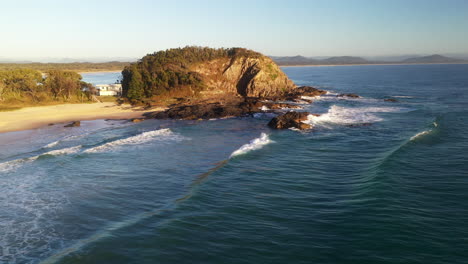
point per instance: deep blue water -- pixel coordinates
(394, 191)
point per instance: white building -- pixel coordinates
(114, 89)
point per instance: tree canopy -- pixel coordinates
(167, 70)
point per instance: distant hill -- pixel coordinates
(436, 58)
(348, 60)
(295, 60)
(345, 60)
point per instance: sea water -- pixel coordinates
(373, 182)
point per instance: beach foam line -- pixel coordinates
(161, 134)
(254, 144)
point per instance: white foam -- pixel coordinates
(402, 96)
(254, 144)
(350, 115)
(425, 132)
(420, 134)
(52, 144)
(161, 134)
(264, 108)
(14, 164)
(63, 151)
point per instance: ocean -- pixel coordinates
(373, 182)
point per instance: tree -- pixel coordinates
(135, 88)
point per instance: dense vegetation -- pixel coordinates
(76, 66)
(168, 71)
(21, 87)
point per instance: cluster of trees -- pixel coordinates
(75, 66)
(163, 71)
(30, 86)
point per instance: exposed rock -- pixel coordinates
(274, 106)
(391, 100)
(350, 95)
(51, 124)
(289, 120)
(137, 120)
(74, 124)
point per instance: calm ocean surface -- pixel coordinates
(234, 191)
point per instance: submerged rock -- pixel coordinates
(391, 100)
(290, 120)
(74, 124)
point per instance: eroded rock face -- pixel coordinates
(244, 76)
(290, 120)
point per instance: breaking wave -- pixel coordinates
(161, 134)
(64, 151)
(14, 164)
(349, 115)
(425, 132)
(254, 144)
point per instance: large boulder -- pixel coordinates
(290, 120)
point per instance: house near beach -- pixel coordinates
(114, 89)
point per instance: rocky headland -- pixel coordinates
(216, 83)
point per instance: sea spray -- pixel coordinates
(350, 115)
(254, 144)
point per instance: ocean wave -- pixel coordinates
(420, 134)
(349, 115)
(425, 132)
(63, 151)
(14, 164)
(402, 96)
(254, 144)
(52, 144)
(161, 134)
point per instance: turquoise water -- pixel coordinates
(234, 191)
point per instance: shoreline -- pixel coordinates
(40, 116)
(99, 71)
(366, 64)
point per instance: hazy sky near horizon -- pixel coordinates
(119, 28)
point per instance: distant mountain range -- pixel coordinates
(347, 60)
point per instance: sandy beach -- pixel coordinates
(34, 117)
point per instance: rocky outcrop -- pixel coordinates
(233, 108)
(393, 100)
(290, 120)
(74, 124)
(255, 76)
(350, 95)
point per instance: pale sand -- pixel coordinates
(34, 117)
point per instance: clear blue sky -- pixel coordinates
(133, 28)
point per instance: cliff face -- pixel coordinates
(245, 76)
(205, 72)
